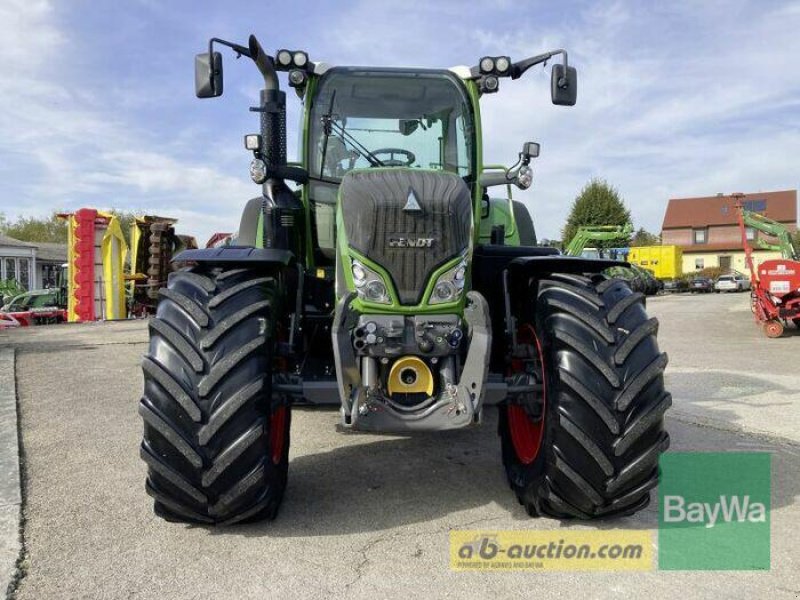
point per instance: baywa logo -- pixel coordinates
(728, 509)
(406, 242)
(714, 511)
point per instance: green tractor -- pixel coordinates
(389, 280)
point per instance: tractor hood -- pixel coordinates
(409, 221)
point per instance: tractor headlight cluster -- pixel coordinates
(291, 59)
(450, 284)
(495, 65)
(370, 286)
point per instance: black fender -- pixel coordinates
(536, 266)
(237, 254)
(248, 226)
(506, 276)
(492, 264)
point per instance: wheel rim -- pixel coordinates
(526, 434)
(773, 329)
(277, 434)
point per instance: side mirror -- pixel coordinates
(208, 75)
(564, 85)
(530, 150)
(408, 126)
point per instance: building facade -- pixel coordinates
(707, 228)
(31, 265)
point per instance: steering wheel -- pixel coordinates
(410, 157)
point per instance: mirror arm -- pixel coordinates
(519, 68)
(240, 50)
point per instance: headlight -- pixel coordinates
(502, 64)
(258, 170)
(284, 58)
(450, 284)
(444, 291)
(296, 78)
(300, 59)
(252, 141)
(524, 177)
(376, 291)
(370, 286)
(487, 64)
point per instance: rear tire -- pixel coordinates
(604, 402)
(215, 441)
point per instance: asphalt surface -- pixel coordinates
(368, 516)
(10, 491)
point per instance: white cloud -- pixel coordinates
(682, 98)
(688, 103)
(78, 151)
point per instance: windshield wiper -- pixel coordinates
(358, 146)
(329, 126)
(326, 128)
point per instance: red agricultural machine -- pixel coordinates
(775, 283)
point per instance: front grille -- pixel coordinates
(372, 204)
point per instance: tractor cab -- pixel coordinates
(383, 119)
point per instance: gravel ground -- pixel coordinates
(367, 515)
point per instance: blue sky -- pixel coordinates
(675, 98)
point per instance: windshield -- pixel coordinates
(363, 119)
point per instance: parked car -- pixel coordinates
(702, 285)
(676, 285)
(35, 308)
(735, 282)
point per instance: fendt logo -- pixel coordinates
(404, 242)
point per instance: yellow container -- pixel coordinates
(665, 262)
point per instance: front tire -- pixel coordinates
(598, 442)
(215, 441)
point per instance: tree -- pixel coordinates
(52, 228)
(36, 229)
(642, 237)
(597, 204)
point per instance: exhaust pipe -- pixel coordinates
(284, 214)
(272, 109)
(264, 63)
